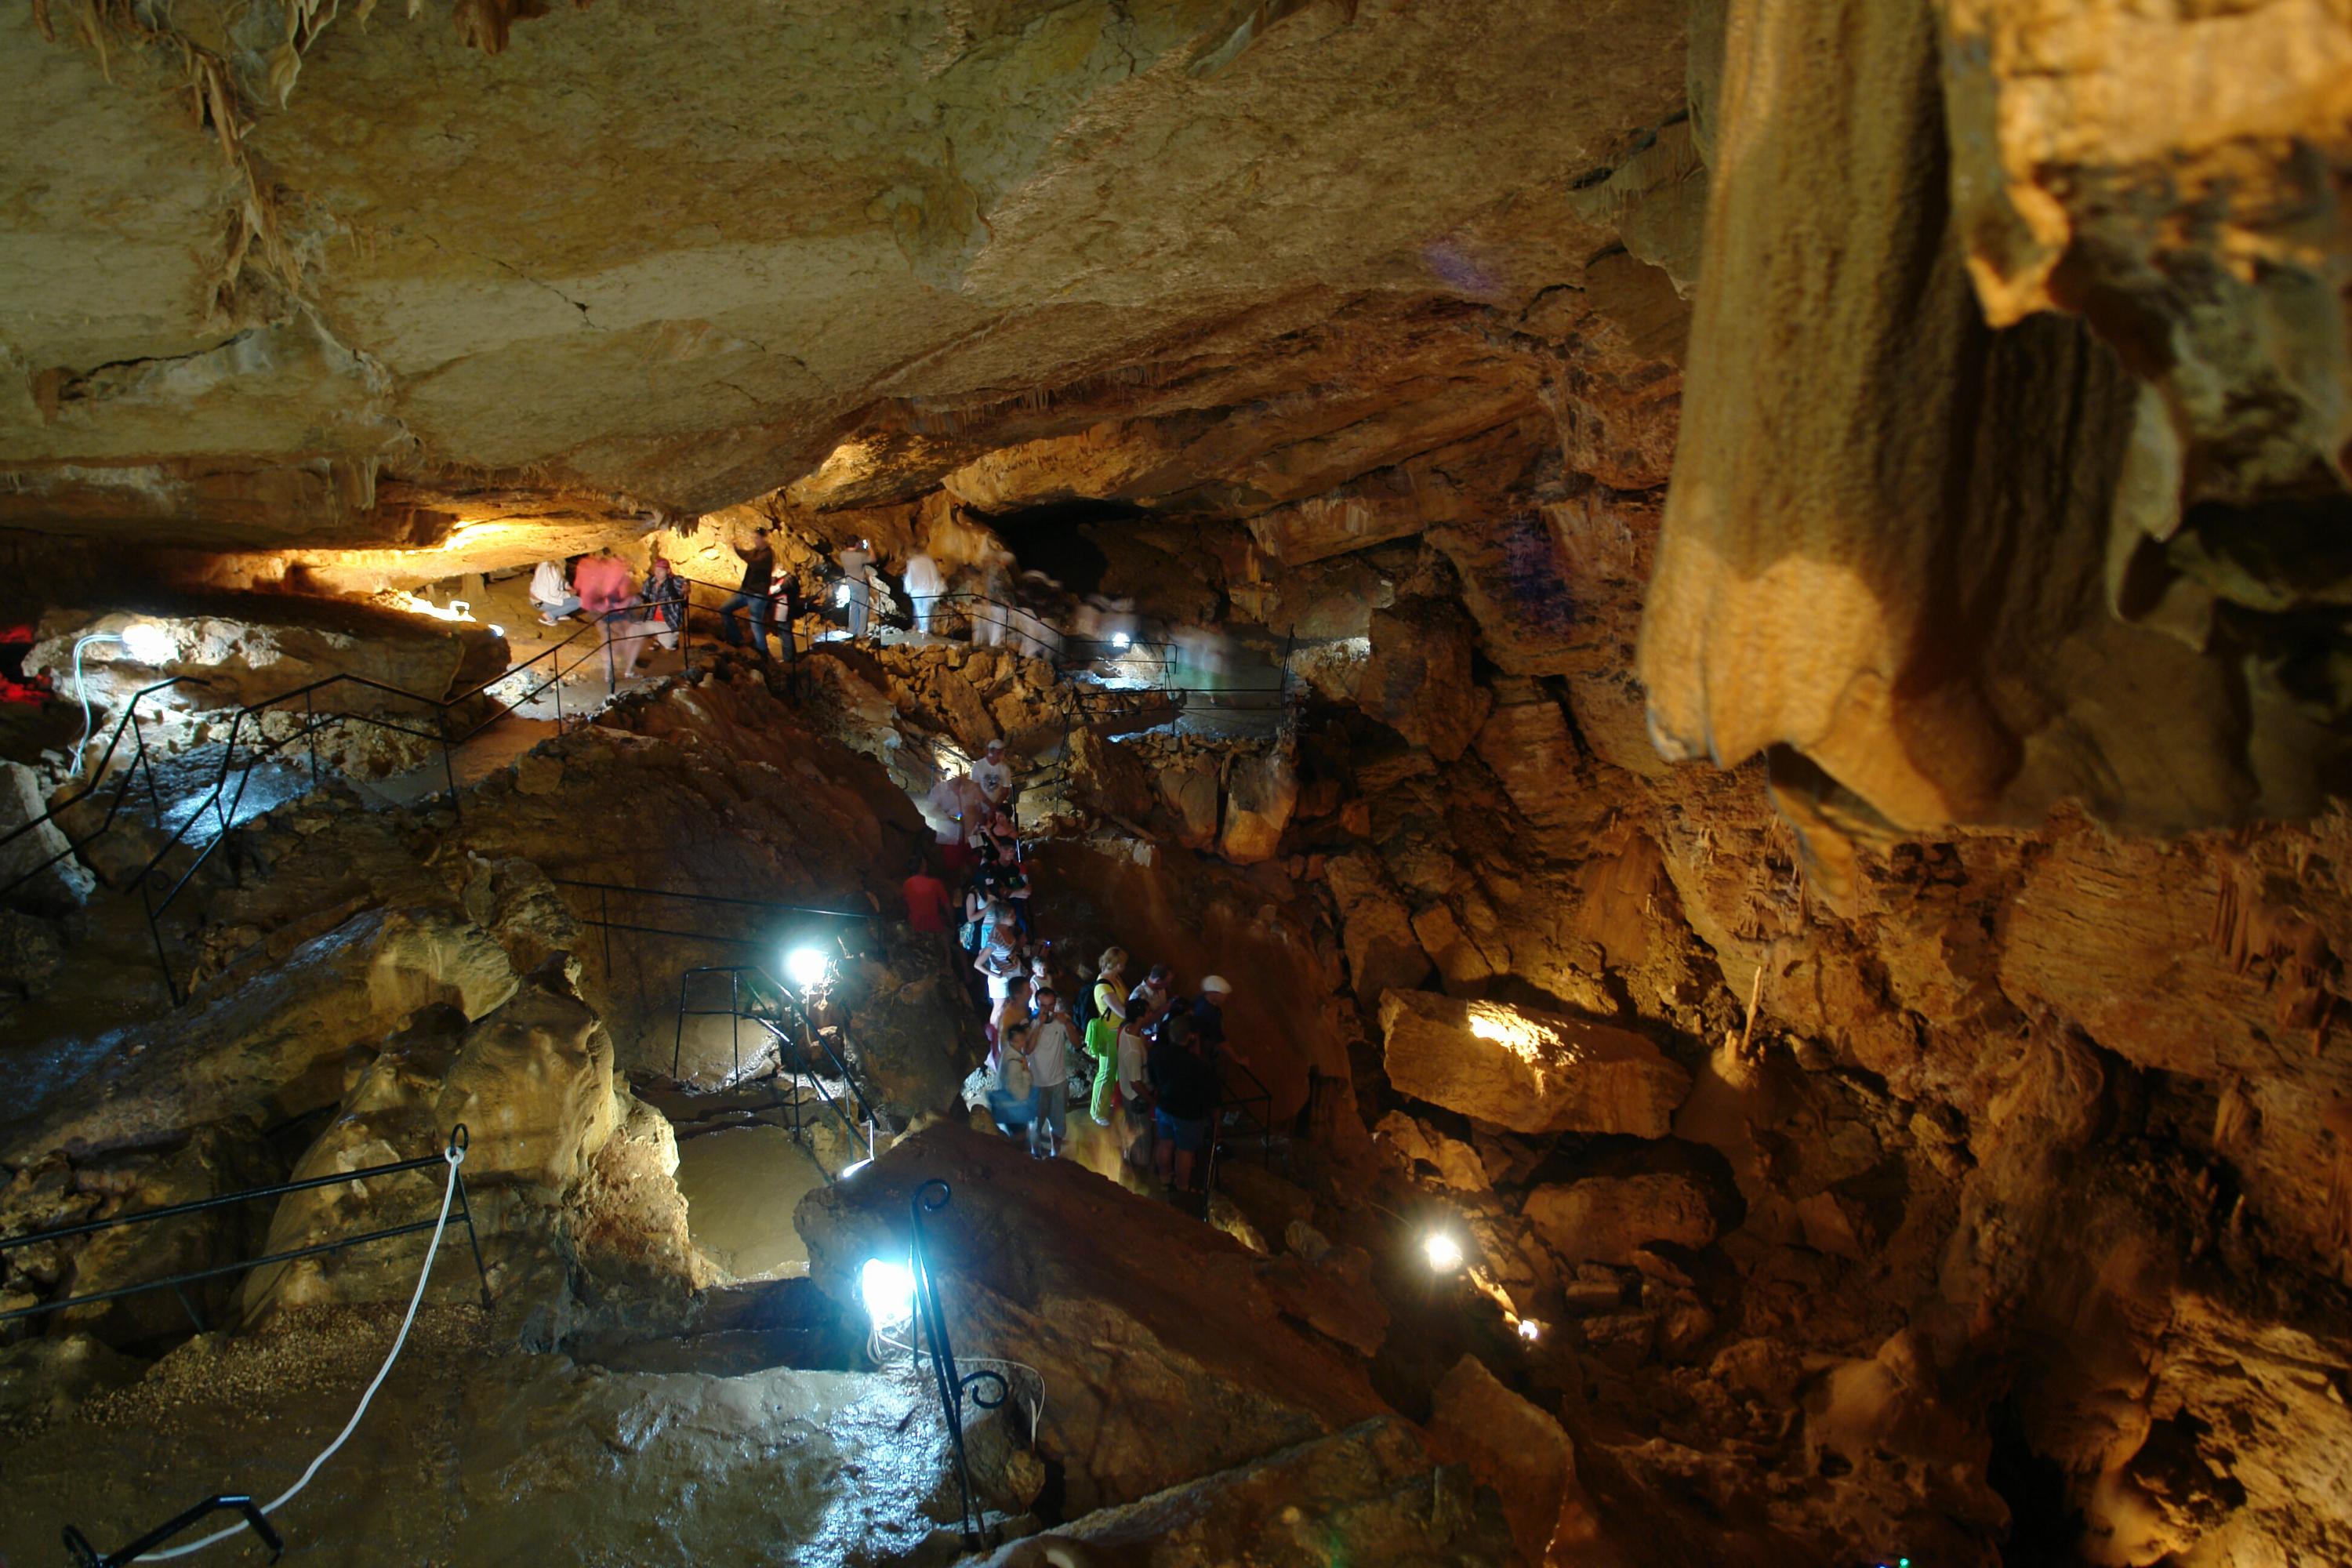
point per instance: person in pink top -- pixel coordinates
(606, 587)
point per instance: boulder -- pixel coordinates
(1418, 682)
(31, 952)
(1531, 749)
(1376, 927)
(63, 880)
(1368, 1496)
(216, 1160)
(1527, 1071)
(907, 1034)
(1455, 1164)
(1174, 1352)
(1521, 1452)
(249, 647)
(1188, 794)
(275, 1048)
(538, 772)
(1261, 792)
(1458, 956)
(1610, 1219)
(532, 1083)
(1110, 780)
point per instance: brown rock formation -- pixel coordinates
(1206, 1363)
(1527, 1071)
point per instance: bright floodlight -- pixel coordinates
(1444, 1252)
(888, 1291)
(148, 643)
(805, 966)
(1529, 1329)
(1120, 639)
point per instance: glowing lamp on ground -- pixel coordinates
(888, 1289)
(1529, 1329)
(1120, 639)
(148, 643)
(1443, 1249)
(841, 594)
(806, 967)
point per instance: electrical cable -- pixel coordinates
(455, 1155)
(881, 1338)
(83, 692)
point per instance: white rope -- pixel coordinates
(456, 1157)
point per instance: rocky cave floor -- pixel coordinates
(1728, 1297)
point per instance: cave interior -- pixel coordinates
(1712, 635)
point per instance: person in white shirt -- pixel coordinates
(957, 813)
(1049, 1072)
(551, 593)
(859, 599)
(924, 587)
(995, 779)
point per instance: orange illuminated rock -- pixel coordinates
(1530, 1071)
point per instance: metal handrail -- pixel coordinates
(454, 1148)
(85, 1555)
(813, 1037)
(1238, 1104)
(931, 1328)
(226, 815)
(56, 809)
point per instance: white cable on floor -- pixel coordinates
(879, 1338)
(456, 1157)
(82, 690)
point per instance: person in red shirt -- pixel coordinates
(927, 906)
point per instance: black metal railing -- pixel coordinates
(448, 1157)
(799, 1057)
(606, 892)
(85, 1555)
(446, 723)
(988, 1389)
(1244, 1100)
(142, 765)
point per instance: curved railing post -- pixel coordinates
(988, 1388)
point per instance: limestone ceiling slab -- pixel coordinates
(674, 250)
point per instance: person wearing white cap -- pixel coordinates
(990, 774)
(1209, 1014)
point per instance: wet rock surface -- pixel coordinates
(1367, 1494)
(1207, 1359)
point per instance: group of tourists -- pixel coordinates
(606, 589)
(603, 586)
(1138, 1055)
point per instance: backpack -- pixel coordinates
(1087, 1008)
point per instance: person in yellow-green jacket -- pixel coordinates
(1108, 1012)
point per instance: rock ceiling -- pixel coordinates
(2010, 468)
(669, 254)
